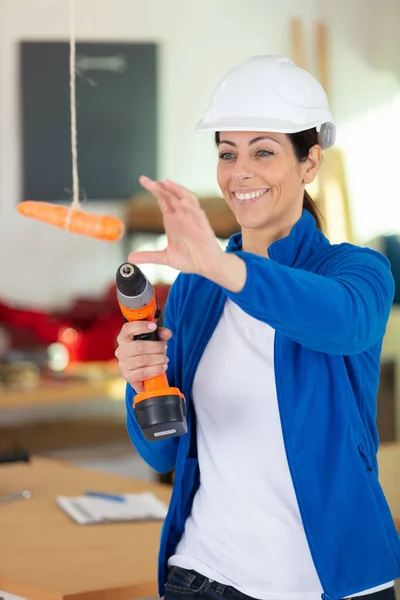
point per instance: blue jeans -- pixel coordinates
(182, 584)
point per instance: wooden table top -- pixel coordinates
(44, 555)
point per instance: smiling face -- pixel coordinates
(262, 180)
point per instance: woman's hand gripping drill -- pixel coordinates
(140, 360)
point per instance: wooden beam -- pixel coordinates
(298, 47)
(321, 54)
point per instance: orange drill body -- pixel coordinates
(160, 409)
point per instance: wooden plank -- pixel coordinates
(46, 556)
(322, 54)
(332, 172)
(298, 47)
(333, 196)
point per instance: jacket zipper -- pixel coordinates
(324, 596)
(365, 455)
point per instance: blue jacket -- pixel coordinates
(329, 305)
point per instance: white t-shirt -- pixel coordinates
(245, 528)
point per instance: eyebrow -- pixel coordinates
(253, 141)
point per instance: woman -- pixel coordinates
(275, 344)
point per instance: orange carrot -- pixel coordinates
(102, 227)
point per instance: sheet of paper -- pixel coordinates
(5, 596)
(87, 510)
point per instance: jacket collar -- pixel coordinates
(294, 249)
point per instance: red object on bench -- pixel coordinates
(89, 328)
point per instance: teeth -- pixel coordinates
(250, 195)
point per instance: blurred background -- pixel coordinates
(145, 72)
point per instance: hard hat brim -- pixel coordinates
(262, 124)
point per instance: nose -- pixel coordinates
(242, 169)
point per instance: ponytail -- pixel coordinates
(311, 207)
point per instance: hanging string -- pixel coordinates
(74, 141)
(102, 227)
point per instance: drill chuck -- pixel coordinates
(134, 290)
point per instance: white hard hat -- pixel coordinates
(270, 93)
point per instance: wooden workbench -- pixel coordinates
(51, 393)
(21, 414)
(46, 556)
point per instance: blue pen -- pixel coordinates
(104, 496)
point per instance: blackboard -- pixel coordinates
(116, 90)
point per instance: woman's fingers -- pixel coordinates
(137, 348)
(167, 201)
(182, 193)
(145, 360)
(164, 333)
(148, 257)
(171, 196)
(132, 328)
(136, 376)
(141, 359)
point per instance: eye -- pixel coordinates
(264, 153)
(226, 156)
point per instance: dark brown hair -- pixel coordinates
(302, 143)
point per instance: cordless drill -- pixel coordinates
(160, 410)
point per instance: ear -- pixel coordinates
(311, 165)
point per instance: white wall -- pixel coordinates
(199, 41)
